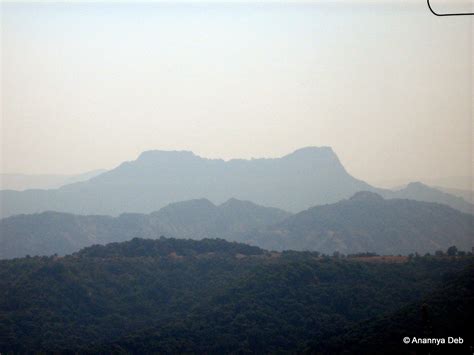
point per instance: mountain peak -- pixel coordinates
(167, 154)
(304, 178)
(313, 151)
(236, 203)
(417, 185)
(366, 196)
(195, 203)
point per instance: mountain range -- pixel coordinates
(22, 182)
(467, 195)
(369, 223)
(421, 192)
(364, 223)
(49, 233)
(305, 178)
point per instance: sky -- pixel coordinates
(87, 85)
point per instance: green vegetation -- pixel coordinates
(368, 223)
(51, 233)
(210, 296)
(364, 223)
(447, 312)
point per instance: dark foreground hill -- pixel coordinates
(447, 313)
(367, 222)
(51, 233)
(210, 296)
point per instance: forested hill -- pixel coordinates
(210, 296)
(364, 223)
(447, 312)
(51, 233)
(169, 248)
(367, 222)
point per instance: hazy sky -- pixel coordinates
(89, 85)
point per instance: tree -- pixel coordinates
(452, 251)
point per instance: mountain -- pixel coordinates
(50, 233)
(464, 183)
(422, 192)
(467, 195)
(307, 177)
(41, 181)
(209, 297)
(364, 223)
(202, 219)
(452, 182)
(368, 222)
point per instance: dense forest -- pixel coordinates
(447, 312)
(212, 296)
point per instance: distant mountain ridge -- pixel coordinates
(366, 222)
(369, 223)
(21, 182)
(467, 195)
(50, 233)
(421, 192)
(305, 178)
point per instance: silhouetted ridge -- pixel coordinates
(421, 192)
(168, 247)
(63, 233)
(313, 152)
(235, 203)
(366, 196)
(160, 155)
(304, 178)
(416, 185)
(367, 222)
(307, 177)
(199, 203)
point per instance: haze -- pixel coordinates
(87, 86)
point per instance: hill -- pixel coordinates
(422, 192)
(467, 195)
(51, 233)
(209, 296)
(307, 177)
(367, 222)
(364, 223)
(446, 312)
